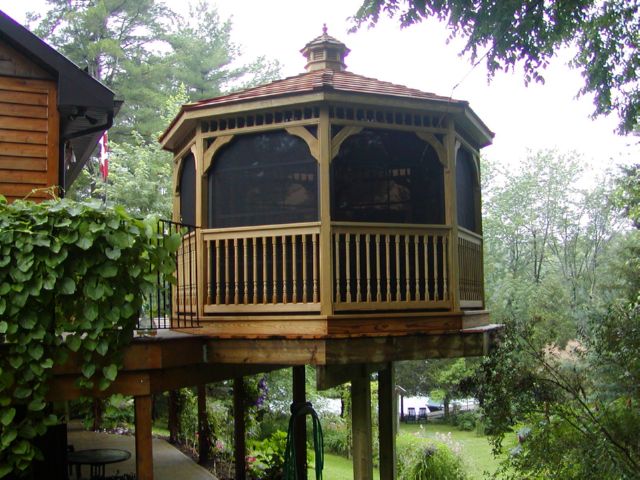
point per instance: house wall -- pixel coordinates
(29, 128)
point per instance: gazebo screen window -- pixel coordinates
(467, 191)
(188, 191)
(388, 177)
(263, 179)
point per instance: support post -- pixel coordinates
(239, 447)
(144, 450)
(361, 428)
(387, 414)
(173, 420)
(300, 425)
(203, 426)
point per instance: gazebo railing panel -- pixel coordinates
(390, 267)
(471, 272)
(263, 269)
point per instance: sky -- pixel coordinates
(523, 118)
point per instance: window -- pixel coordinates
(188, 190)
(263, 179)
(389, 177)
(467, 191)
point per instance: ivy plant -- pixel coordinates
(72, 279)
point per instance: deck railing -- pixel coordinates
(390, 267)
(174, 304)
(263, 269)
(470, 270)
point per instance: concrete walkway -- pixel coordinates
(169, 463)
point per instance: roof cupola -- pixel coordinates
(325, 52)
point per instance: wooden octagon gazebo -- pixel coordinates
(337, 225)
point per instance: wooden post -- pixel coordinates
(387, 413)
(326, 259)
(361, 427)
(300, 426)
(203, 426)
(174, 418)
(144, 450)
(239, 448)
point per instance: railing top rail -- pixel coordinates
(351, 226)
(469, 235)
(261, 230)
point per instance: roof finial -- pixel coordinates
(324, 28)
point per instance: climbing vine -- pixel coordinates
(72, 279)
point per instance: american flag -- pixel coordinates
(104, 155)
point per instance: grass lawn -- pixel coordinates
(476, 450)
(339, 468)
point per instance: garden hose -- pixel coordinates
(301, 410)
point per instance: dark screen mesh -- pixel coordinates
(389, 177)
(263, 179)
(188, 191)
(466, 188)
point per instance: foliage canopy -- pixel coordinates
(505, 33)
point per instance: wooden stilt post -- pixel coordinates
(203, 426)
(239, 447)
(361, 427)
(387, 413)
(144, 450)
(300, 426)
(173, 420)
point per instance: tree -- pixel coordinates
(606, 36)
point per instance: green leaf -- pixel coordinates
(5, 470)
(36, 352)
(28, 320)
(47, 363)
(7, 416)
(8, 436)
(103, 384)
(67, 286)
(73, 343)
(110, 372)
(36, 405)
(22, 393)
(172, 242)
(16, 361)
(85, 243)
(20, 448)
(4, 288)
(113, 253)
(90, 311)
(108, 270)
(103, 347)
(3, 324)
(88, 369)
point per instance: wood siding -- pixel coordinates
(29, 136)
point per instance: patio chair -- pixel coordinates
(411, 416)
(422, 414)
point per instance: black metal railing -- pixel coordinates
(174, 304)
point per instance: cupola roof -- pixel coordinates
(325, 52)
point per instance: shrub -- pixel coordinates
(420, 460)
(466, 421)
(266, 457)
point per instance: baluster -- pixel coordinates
(274, 273)
(387, 241)
(254, 246)
(347, 264)
(245, 272)
(445, 267)
(304, 268)
(294, 269)
(416, 265)
(358, 295)
(367, 239)
(284, 269)
(337, 243)
(436, 290)
(398, 292)
(236, 289)
(226, 271)
(314, 241)
(264, 269)
(427, 295)
(216, 245)
(378, 292)
(407, 272)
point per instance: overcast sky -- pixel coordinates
(533, 117)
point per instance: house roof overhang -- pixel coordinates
(86, 106)
(322, 86)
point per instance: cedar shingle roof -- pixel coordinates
(319, 80)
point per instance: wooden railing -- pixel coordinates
(185, 293)
(263, 269)
(471, 273)
(389, 267)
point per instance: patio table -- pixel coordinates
(96, 458)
